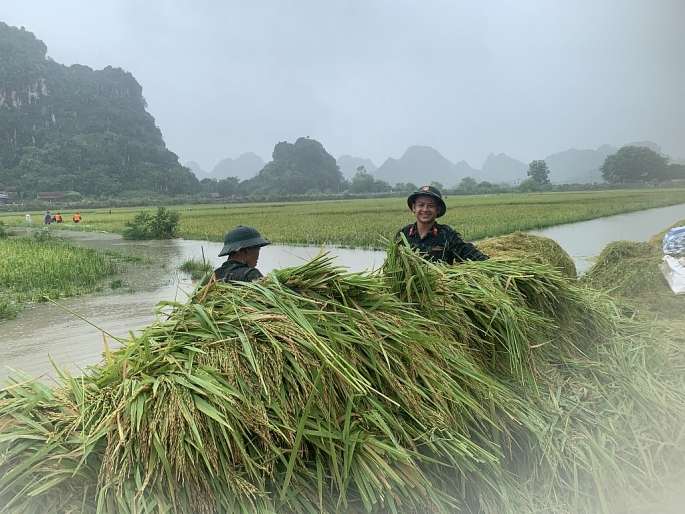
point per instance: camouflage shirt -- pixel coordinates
(236, 271)
(442, 243)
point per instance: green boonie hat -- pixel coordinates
(428, 191)
(242, 237)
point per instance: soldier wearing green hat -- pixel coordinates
(242, 245)
(437, 242)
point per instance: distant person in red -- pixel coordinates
(58, 218)
(77, 217)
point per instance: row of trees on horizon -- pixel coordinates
(305, 168)
(288, 175)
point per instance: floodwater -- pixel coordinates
(585, 240)
(71, 333)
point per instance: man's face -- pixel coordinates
(252, 256)
(425, 209)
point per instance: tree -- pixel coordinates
(675, 171)
(227, 187)
(539, 172)
(633, 164)
(381, 186)
(362, 182)
(467, 185)
(161, 225)
(529, 186)
(486, 187)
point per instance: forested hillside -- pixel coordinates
(296, 168)
(77, 129)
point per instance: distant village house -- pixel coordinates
(50, 196)
(8, 194)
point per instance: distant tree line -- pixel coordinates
(305, 169)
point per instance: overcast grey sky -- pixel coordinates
(371, 78)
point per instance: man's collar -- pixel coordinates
(415, 229)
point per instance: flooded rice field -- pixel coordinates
(71, 332)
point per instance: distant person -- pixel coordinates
(242, 245)
(58, 218)
(47, 219)
(436, 242)
(77, 217)
(28, 218)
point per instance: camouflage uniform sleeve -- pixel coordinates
(462, 250)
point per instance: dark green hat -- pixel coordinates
(428, 191)
(242, 237)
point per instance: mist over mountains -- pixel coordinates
(244, 167)
(423, 165)
(348, 165)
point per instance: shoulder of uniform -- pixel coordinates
(406, 230)
(447, 230)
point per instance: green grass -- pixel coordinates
(197, 268)
(362, 223)
(35, 268)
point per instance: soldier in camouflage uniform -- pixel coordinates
(437, 242)
(242, 246)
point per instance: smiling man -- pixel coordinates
(437, 242)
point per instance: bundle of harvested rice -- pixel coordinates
(629, 271)
(658, 239)
(486, 387)
(530, 248)
(627, 268)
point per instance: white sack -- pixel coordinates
(674, 272)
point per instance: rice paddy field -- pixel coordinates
(35, 268)
(364, 223)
